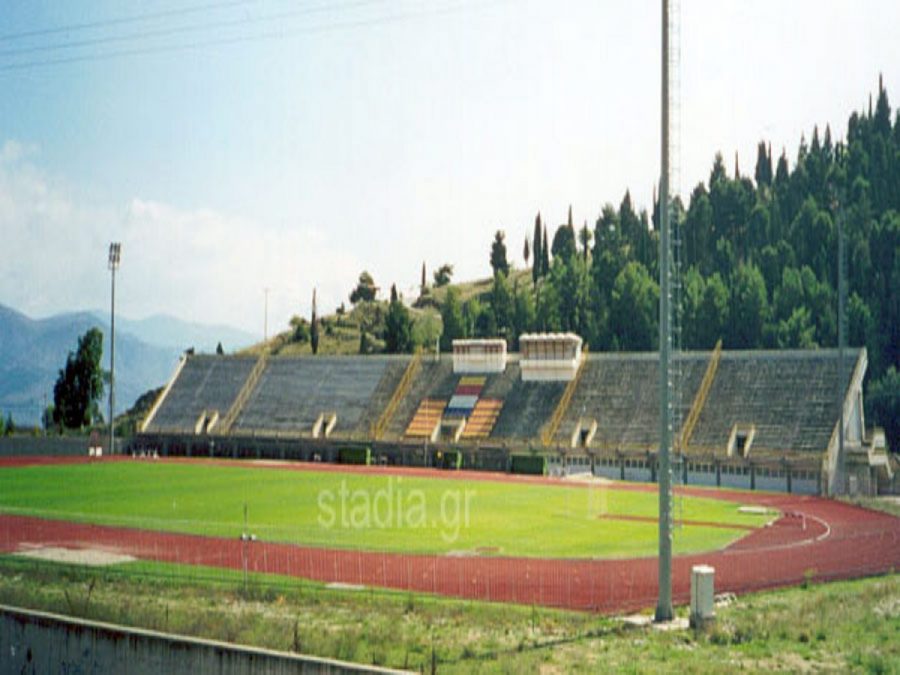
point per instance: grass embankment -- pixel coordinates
(370, 511)
(838, 627)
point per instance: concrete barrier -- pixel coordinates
(44, 445)
(38, 642)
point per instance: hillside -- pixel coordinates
(32, 352)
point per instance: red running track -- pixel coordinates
(817, 539)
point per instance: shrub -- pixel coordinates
(355, 455)
(448, 459)
(528, 464)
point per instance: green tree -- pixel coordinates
(860, 323)
(365, 290)
(499, 263)
(80, 383)
(584, 238)
(300, 328)
(691, 299)
(314, 327)
(452, 319)
(884, 401)
(547, 306)
(545, 256)
(563, 243)
(763, 172)
(443, 274)
(220, 351)
(797, 331)
(537, 248)
(397, 326)
(634, 311)
(426, 329)
(699, 231)
(502, 304)
(571, 279)
(712, 315)
(523, 312)
(749, 308)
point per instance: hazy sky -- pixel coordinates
(234, 146)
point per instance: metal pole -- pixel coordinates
(114, 253)
(112, 365)
(266, 316)
(664, 610)
(841, 478)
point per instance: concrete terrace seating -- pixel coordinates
(789, 396)
(426, 418)
(621, 392)
(434, 380)
(481, 422)
(293, 392)
(204, 383)
(526, 408)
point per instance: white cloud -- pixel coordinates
(196, 264)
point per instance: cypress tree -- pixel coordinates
(537, 264)
(314, 327)
(545, 256)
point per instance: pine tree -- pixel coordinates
(763, 172)
(80, 383)
(526, 252)
(397, 326)
(423, 286)
(782, 173)
(499, 263)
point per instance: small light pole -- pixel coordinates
(115, 251)
(266, 316)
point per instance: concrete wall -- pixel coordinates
(36, 642)
(45, 445)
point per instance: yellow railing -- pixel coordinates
(244, 394)
(402, 388)
(551, 427)
(700, 399)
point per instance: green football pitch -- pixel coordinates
(368, 510)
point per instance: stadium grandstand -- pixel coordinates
(750, 419)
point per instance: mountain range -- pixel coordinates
(32, 351)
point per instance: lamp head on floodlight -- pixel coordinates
(115, 252)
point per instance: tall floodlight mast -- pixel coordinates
(115, 252)
(664, 603)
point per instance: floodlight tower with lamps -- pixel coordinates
(115, 252)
